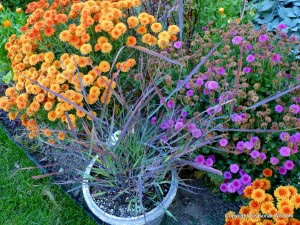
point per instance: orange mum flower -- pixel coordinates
(266, 184)
(132, 21)
(282, 192)
(131, 41)
(49, 31)
(292, 190)
(164, 35)
(52, 116)
(267, 172)
(173, 29)
(85, 49)
(258, 195)
(6, 23)
(87, 80)
(163, 43)
(254, 205)
(106, 48)
(61, 136)
(65, 35)
(286, 210)
(48, 106)
(141, 30)
(156, 27)
(257, 184)
(266, 206)
(296, 201)
(104, 66)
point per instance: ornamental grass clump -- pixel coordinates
(67, 45)
(267, 208)
(256, 73)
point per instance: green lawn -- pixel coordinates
(24, 200)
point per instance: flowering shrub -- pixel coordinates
(265, 208)
(68, 45)
(234, 85)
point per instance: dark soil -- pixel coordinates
(199, 208)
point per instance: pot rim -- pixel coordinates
(153, 214)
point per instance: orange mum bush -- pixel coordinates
(68, 47)
(264, 208)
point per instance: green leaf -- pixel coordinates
(8, 77)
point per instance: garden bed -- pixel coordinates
(196, 207)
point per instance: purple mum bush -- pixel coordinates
(249, 67)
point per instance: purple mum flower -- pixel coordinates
(223, 187)
(289, 165)
(282, 170)
(247, 70)
(221, 71)
(178, 125)
(184, 114)
(211, 85)
(263, 156)
(254, 139)
(276, 57)
(274, 161)
(209, 162)
(284, 136)
(246, 179)
(295, 109)
(200, 159)
(250, 58)
(223, 142)
(249, 47)
(191, 127)
(190, 93)
(231, 188)
(281, 26)
(248, 145)
(234, 168)
(199, 81)
(285, 151)
(254, 154)
(263, 38)
(177, 44)
(237, 40)
(227, 175)
(236, 118)
(279, 108)
(197, 133)
(240, 146)
(242, 172)
(170, 104)
(153, 120)
(236, 183)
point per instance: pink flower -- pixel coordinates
(274, 161)
(263, 38)
(190, 93)
(263, 156)
(227, 175)
(211, 85)
(240, 146)
(254, 139)
(247, 70)
(289, 165)
(209, 162)
(223, 142)
(285, 151)
(199, 81)
(153, 120)
(200, 159)
(254, 154)
(284, 136)
(221, 71)
(184, 114)
(279, 108)
(236, 118)
(281, 26)
(248, 145)
(282, 170)
(249, 47)
(234, 168)
(276, 57)
(191, 127)
(246, 179)
(295, 109)
(177, 44)
(223, 187)
(170, 104)
(237, 40)
(250, 58)
(197, 133)
(178, 125)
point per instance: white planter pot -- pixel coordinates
(153, 217)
